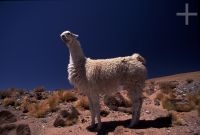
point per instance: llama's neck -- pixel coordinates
(76, 53)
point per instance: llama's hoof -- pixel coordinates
(98, 127)
(92, 127)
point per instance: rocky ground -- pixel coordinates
(171, 106)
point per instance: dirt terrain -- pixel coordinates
(171, 107)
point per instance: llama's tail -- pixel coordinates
(139, 58)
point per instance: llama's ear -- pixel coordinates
(75, 35)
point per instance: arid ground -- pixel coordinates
(171, 107)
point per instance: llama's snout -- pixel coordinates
(64, 37)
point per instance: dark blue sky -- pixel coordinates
(32, 54)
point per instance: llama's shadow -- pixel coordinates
(143, 124)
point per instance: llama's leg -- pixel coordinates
(92, 111)
(97, 111)
(136, 97)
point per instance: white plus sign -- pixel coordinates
(186, 14)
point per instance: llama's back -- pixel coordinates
(111, 73)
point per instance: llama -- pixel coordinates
(105, 76)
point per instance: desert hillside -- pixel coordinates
(171, 106)
(178, 77)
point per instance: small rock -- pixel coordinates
(6, 128)
(156, 102)
(50, 114)
(17, 108)
(104, 113)
(83, 120)
(23, 129)
(44, 121)
(25, 117)
(59, 122)
(184, 94)
(67, 117)
(148, 112)
(190, 131)
(7, 117)
(168, 131)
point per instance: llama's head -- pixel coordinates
(68, 37)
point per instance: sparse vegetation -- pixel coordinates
(67, 117)
(53, 102)
(82, 103)
(176, 120)
(39, 89)
(170, 102)
(7, 117)
(167, 87)
(23, 129)
(185, 106)
(38, 110)
(72, 117)
(160, 96)
(5, 94)
(194, 98)
(117, 100)
(127, 101)
(189, 80)
(11, 92)
(9, 101)
(4, 130)
(65, 96)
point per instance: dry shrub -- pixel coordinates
(69, 96)
(25, 104)
(176, 120)
(117, 100)
(167, 87)
(5, 94)
(9, 101)
(65, 96)
(11, 92)
(170, 102)
(72, 117)
(38, 110)
(39, 89)
(53, 102)
(71, 121)
(66, 117)
(167, 104)
(160, 96)
(185, 107)
(127, 101)
(194, 98)
(180, 106)
(189, 80)
(82, 103)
